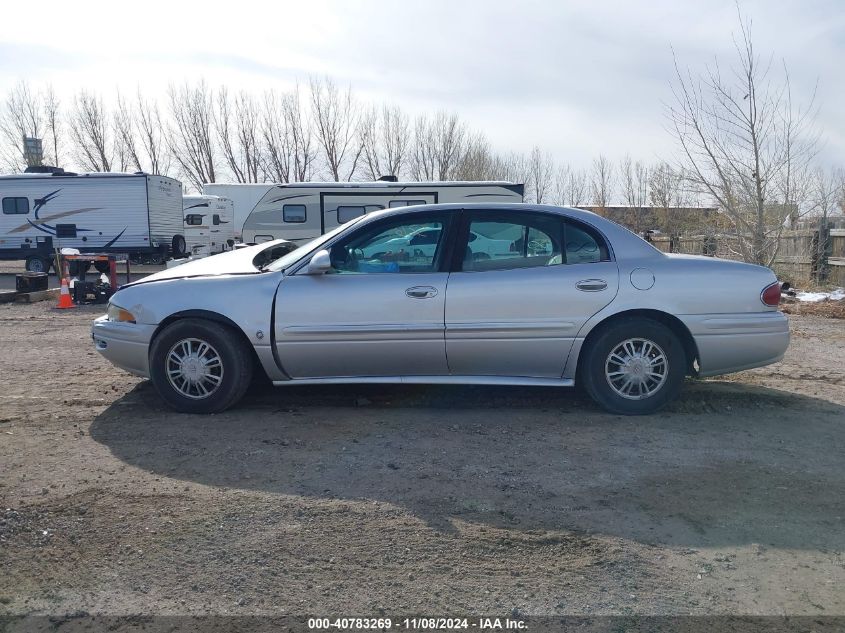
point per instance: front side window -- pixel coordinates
(193, 219)
(15, 206)
(513, 240)
(294, 213)
(401, 245)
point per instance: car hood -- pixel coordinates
(238, 262)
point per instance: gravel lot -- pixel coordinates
(431, 500)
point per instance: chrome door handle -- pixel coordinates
(421, 292)
(591, 285)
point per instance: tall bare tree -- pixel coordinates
(601, 181)
(52, 127)
(150, 132)
(236, 121)
(22, 115)
(570, 186)
(826, 191)
(190, 136)
(439, 144)
(91, 132)
(289, 150)
(634, 180)
(335, 116)
(384, 140)
(124, 132)
(745, 144)
(541, 174)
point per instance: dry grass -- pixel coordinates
(829, 309)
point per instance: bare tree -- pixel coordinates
(53, 127)
(335, 116)
(190, 136)
(239, 138)
(124, 131)
(439, 144)
(22, 115)
(384, 140)
(634, 177)
(745, 144)
(541, 172)
(149, 129)
(601, 181)
(666, 193)
(288, 146)
(571, 186)
(91, 132)
(826, 191)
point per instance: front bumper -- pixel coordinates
(125, 345)
(734, 342)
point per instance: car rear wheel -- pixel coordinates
(200, 366)
(634, 367)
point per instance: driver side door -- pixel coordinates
(377, 312)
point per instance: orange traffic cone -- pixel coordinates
(64, 296)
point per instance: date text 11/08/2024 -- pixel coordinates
(421, 623)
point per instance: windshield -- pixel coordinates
(295, 255)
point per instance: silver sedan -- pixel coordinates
(474, 294)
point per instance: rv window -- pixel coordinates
(405, 203)
(215, 219)
(294, 213)
(15, 206)
(346, 213)
(193, 219)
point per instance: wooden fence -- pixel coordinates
(797, 258)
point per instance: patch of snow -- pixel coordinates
(815, 297)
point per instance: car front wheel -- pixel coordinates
(200, 366)
(634, 367)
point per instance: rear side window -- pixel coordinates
(15, 206)
(584, 245)
(294, 213)
(215, 219)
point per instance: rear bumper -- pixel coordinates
(734, 342)
(125, 345)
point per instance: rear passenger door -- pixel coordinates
(525, 284)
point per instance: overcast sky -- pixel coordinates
(577, 78)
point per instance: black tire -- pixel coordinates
(178, 247)
(235, 360)
(102, 267)
(593, 370)
(38, 264)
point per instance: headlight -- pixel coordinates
(116, 313)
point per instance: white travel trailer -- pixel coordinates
(302, 211)
(137, 214)
(244, 197)
(209, 223)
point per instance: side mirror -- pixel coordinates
(320, 263)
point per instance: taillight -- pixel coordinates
(771, 294)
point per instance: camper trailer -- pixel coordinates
(302, 211)
(244, 197)
(209, 224)
(137, 214)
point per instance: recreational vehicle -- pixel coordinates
(209, 223)
(137, 214)
(244, 197)
(302, 211)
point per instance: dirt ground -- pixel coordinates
(429, 500)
